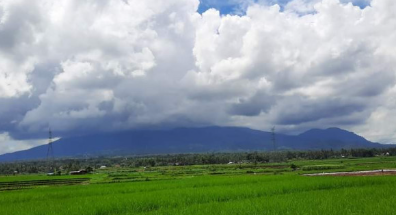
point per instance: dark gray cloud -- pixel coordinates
(297, 110)
(253, 106)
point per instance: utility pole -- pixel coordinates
(273, 138)
(50, 152)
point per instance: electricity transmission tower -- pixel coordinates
(273, 138)
(50, 152)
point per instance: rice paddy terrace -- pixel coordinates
(273, 188)
(16, 185)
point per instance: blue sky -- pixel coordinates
(225, 7)
(238, 6)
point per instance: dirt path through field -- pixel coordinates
(357, 173)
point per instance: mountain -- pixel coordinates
(193, 140)
(336, 138)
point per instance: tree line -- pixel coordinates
(66, 165)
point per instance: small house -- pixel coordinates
(79, 172)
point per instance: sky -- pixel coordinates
(89, 66)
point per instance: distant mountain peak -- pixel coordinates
(327, 130)
(337, 129)
(333, 133)
(193, 140)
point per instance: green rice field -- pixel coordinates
(212, 189)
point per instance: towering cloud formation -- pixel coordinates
(92, 66)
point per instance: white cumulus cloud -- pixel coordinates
(92, 66)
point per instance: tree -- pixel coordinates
(293, 167)
(89, 169)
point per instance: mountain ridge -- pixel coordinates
(193, 140)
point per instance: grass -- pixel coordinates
(274, 189)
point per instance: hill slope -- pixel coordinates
(193, 140)
(336, 138)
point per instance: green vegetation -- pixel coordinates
(238, 188)
(65, 165)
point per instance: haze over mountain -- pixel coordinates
(193, 140)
